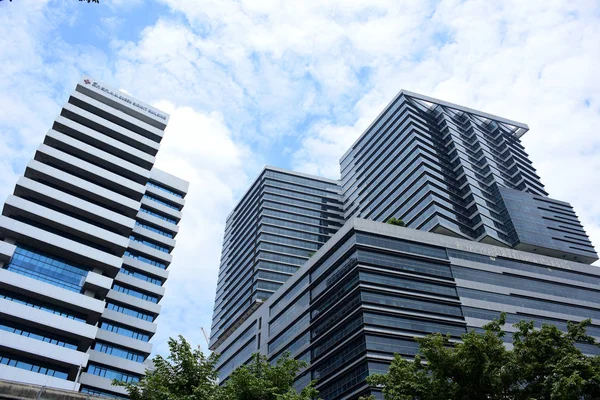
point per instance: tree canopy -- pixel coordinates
(544, 364)
(186, 374)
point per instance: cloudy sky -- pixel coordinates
(293, 84)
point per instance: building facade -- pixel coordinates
(482, 238)
(279, 223)
(444, 168)
(374, 287)
(85, 246)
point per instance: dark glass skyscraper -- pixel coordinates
(482, 237)
(280, 223)
(448, 169)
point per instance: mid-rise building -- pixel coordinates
(85, 246)
(482, 237)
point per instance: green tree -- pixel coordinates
(395, 221)
(545, 364)
(259, 380)
(186, 374)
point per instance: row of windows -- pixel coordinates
(119, 352)
(337, 336)
(46, 268)
(37, 335)
(290, 313)
(155, 230)
(302, 181)
(138, 256)
(400, 302)
(524, 266)
(148, 243)
(403, 246)
(44, 307)
(112, 373)
(129, 311)
(100, 393)
(159, 201)
(141, 276)
(33, 366)
(529, 303)
(121, 330)
(135, 293)
(341, 356)
(289, 332)
(402, 283)
(164, 189)
(524, 283)
(413, 325)
(294, 347)
(157, 215)
(335, 388)
(289, 241)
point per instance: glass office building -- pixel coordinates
(85, 247)
(280, 223)
(482, 238)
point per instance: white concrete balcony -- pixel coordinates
(169, 181)
(38, 191)
(97, 157)
(153, 253)
(40, 172)
(141, 284)
(21, 375)
(119, 117)
(16, 207)
(46, 321)
(162, 209)
(128, 320)
(103, 142)
(160, 223)
(97, 283)
(117, 362)
(157, 237)
(146, 268)
(6, 252)
(90, 172)
(50, 294)
(104, 384)
(56, 244)
(110, 129)
(161, 194)
(135, 302)
(124, 341)
(37, 349)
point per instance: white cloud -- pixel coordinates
(240, 77)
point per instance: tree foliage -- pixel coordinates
(544, 364)
(186, 374)
(396, 221)
(260, 380)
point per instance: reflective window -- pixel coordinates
(148, 243)
(157, 215)
(122, 330)
(406, 303)
(130, 312)
(400, 245)
(141, 276)
(135, 293)
(337, 336)
(33, 366)
(164, 189)
(292, 330)
(47, 268)
(119, 352)
(413, 325)
(22, 330)
(341, 356)
(159, 201)
(111, 374)
(44, 307)
(155, 230)
(138, 256)
(100, 393)
(336, 387)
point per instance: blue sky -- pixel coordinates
(293, 84)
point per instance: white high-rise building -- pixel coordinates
(85, 243)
